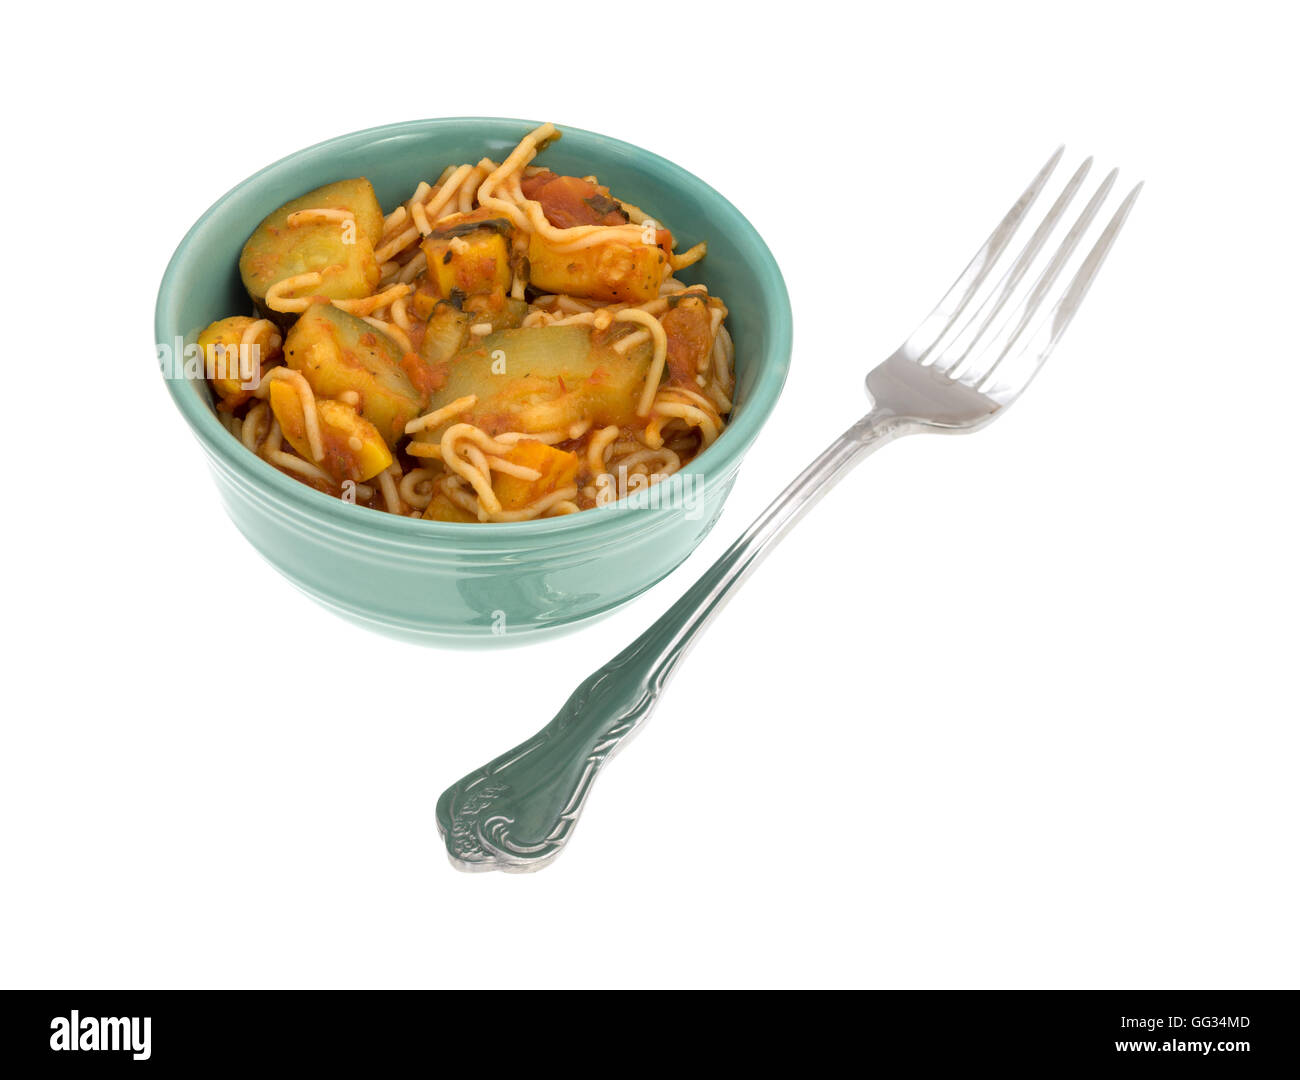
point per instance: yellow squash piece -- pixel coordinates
(469, 254)
(441, 508)
(338, 352)
(559, 469)
(425, 299)
(615, 271)
(235, 373)
(354, 449)
(342, 251)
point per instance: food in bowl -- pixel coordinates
(487, 585)
(508, 344)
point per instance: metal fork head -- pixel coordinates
(955, 373)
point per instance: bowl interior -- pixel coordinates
(202, 283)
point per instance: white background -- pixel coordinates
(1014, 710)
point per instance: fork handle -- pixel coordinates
(517, 812)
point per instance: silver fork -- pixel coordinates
(954, 374)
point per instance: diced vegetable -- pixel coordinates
(545, 379)
(338, 352)
(425, 298)
(342, 251)
(568, 201)
(235, 374)
(559, 469)
(354, 449)
(497, 312)
(447, 332)
(444, 334)
(469, 254)
(615, 271)
(441, 508)
(437, 342)
(689, 329)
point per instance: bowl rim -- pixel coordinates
(719, 461)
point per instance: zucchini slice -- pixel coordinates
(338, 352)
(342, 251)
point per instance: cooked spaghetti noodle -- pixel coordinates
(506, 344)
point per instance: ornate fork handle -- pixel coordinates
(517, 812)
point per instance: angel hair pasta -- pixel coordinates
(507, 344)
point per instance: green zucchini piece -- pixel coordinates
(545, 379)
(278, 250)
(337, 352)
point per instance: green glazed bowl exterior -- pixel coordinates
(471, 585)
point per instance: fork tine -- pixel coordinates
(1009, 333)
(925, 336)
(956, 351)
(1011, 382)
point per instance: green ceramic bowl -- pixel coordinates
(466, 584)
